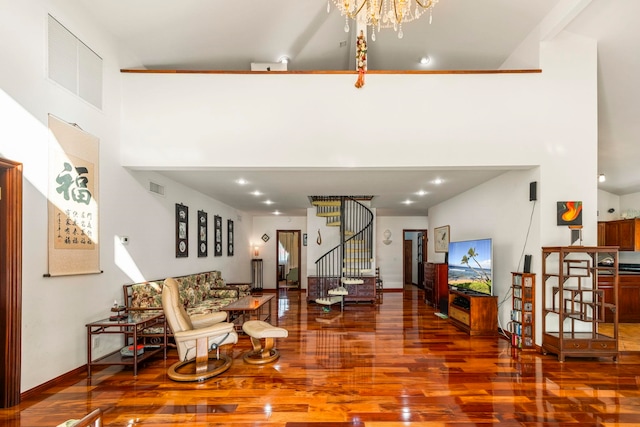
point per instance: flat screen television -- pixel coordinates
(470, 266)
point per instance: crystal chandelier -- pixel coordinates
(382, 13)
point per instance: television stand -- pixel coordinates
(474, 313)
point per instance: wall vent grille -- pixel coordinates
(156, 188)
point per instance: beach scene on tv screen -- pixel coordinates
(470, 265)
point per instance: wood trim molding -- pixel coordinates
(37, 391)
(141, 71)
(10, 281)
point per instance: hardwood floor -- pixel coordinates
(628, 335)
(386, 365)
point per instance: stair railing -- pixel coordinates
(352, 258)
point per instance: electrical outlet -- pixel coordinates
(95, 342)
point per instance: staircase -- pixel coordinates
(347, 262)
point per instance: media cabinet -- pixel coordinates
(474, 313)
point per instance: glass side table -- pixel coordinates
(131, 328)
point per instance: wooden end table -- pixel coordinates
(132, 326)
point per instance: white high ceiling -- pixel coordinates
(465, 34)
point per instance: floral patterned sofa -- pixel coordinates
(200, 293)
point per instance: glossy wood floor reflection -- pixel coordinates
(386, 365)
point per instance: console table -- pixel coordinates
(131, 328)
(474, 313)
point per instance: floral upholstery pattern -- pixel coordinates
(195, 293)
(216, 281)
(201, 293)
(145, 295)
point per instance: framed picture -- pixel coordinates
(217, 238)
(570, 213)
(182, 231)
(202, 234)
(441, 239)
(229, 237)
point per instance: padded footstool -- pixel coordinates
(258, 330)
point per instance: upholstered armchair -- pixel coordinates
(292, 277)
(196, 337)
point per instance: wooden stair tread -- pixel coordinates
(329, 300)
(328, 214)
(326, 203)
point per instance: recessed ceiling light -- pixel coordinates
(407, 202)
(242, 181)
(425, 60)
(422, 193)
(277, 213)
(438, 181)
(284, 60)
(256, 193)
(268, 202)
(602, 178)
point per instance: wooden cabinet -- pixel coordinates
(624, 233)
(436, 290)
(523, 307)
(574, 303)
(628, 297)
(357, 293)
(601, 233)
(475, 314)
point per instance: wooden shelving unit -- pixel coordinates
(523, 309)
(575, 306)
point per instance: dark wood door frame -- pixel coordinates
(10, 281)
(425, 239)
(407, 258)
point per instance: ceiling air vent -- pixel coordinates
(156, 188)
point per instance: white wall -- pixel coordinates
(608, 201)
(211, 109)
(389, 257)
(55, 310)
(630, 202)
(513, 224)
(501, 208)
(269, 252)
(546, 119)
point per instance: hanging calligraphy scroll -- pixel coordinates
(73, 200)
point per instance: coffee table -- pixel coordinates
(249, 308)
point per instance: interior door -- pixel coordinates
(288, 265)
(421, 258)
(10, 282)
(407, 261)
